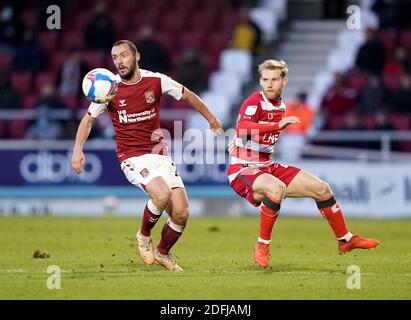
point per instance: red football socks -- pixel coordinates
(332, 212)
(169, 236)
(268, 214)
(150, 217)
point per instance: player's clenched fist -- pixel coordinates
(77, 161)
(288, 120)
(216, 126)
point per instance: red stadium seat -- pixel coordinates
(29, 18)
(120, 21)
(357, 80)
(217, 42)
(17, 128)
(334, 122)
(129, 6)
(167, 40)
(391, 81)
(186, 5)
(72, 39)
(3, 129)
(399, 121)
(94, 59)
(29, 101)
(144, 18)
(405, 39)
(212, 4)
(72, 103)
(191, 40)
(21, 82)
(44, 78)
(203, 21)
(48, 40)
(82, 19)
(57, 60)
(368, 120)
(389, 40)
(173, 21)
(5, 60)
(228, 19)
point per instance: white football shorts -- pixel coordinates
(139, 171)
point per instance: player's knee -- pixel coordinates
(323, 191)
(276, 190)
(161, 198)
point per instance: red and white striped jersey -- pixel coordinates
(257, 130)
(135, 113)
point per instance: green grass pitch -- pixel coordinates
(98, 261)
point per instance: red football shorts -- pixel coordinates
(243, 183)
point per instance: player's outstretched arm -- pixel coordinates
(83, 131)
(198, 104)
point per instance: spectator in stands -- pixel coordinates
(294, 138)
(353, 122)
(100, 31)
(371, 55)
(44, 127)
(401, 100)
(339, 98)
(389, 13)
(49, 98)
(29, 56)
(372, 96)
(191, 71)
(404, 58)
(11, 28)
(154, 56)
(71, 74)
(247, 35)
(382, 123)
(8, 97)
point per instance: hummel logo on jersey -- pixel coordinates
(122, 103)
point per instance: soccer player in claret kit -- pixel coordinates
(143, 156)
(254, 176)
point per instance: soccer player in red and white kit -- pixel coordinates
(143, 156)
(254, 176)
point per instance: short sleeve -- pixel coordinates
(171, 87)
(96, 109)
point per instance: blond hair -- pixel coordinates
(272, 64)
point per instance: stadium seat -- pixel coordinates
(173, 21)
(191, 39)
(334, 122)
(120, 21)
(227, 20)
(3, 129)
(29, 101)
(167, 40)
(72, 103)
(57, 60)
(399, 121)
(48, 40)
(217, 42)
(267, 20)
(202, 21)
(72, 39)
(405, 40)
(145, 18)
(82, 19)
(391, 81)
(29, 19)
(186, 5)
(94, 59)
(238, 62)
(44, 78)
(357, 80)
(21, 82)
(17, 128)
(227, 84)
(218, 103)
(5, 60)
(389, 40)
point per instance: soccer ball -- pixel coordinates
(100, 85)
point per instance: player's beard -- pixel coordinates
(130, 74)
(274, 96)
